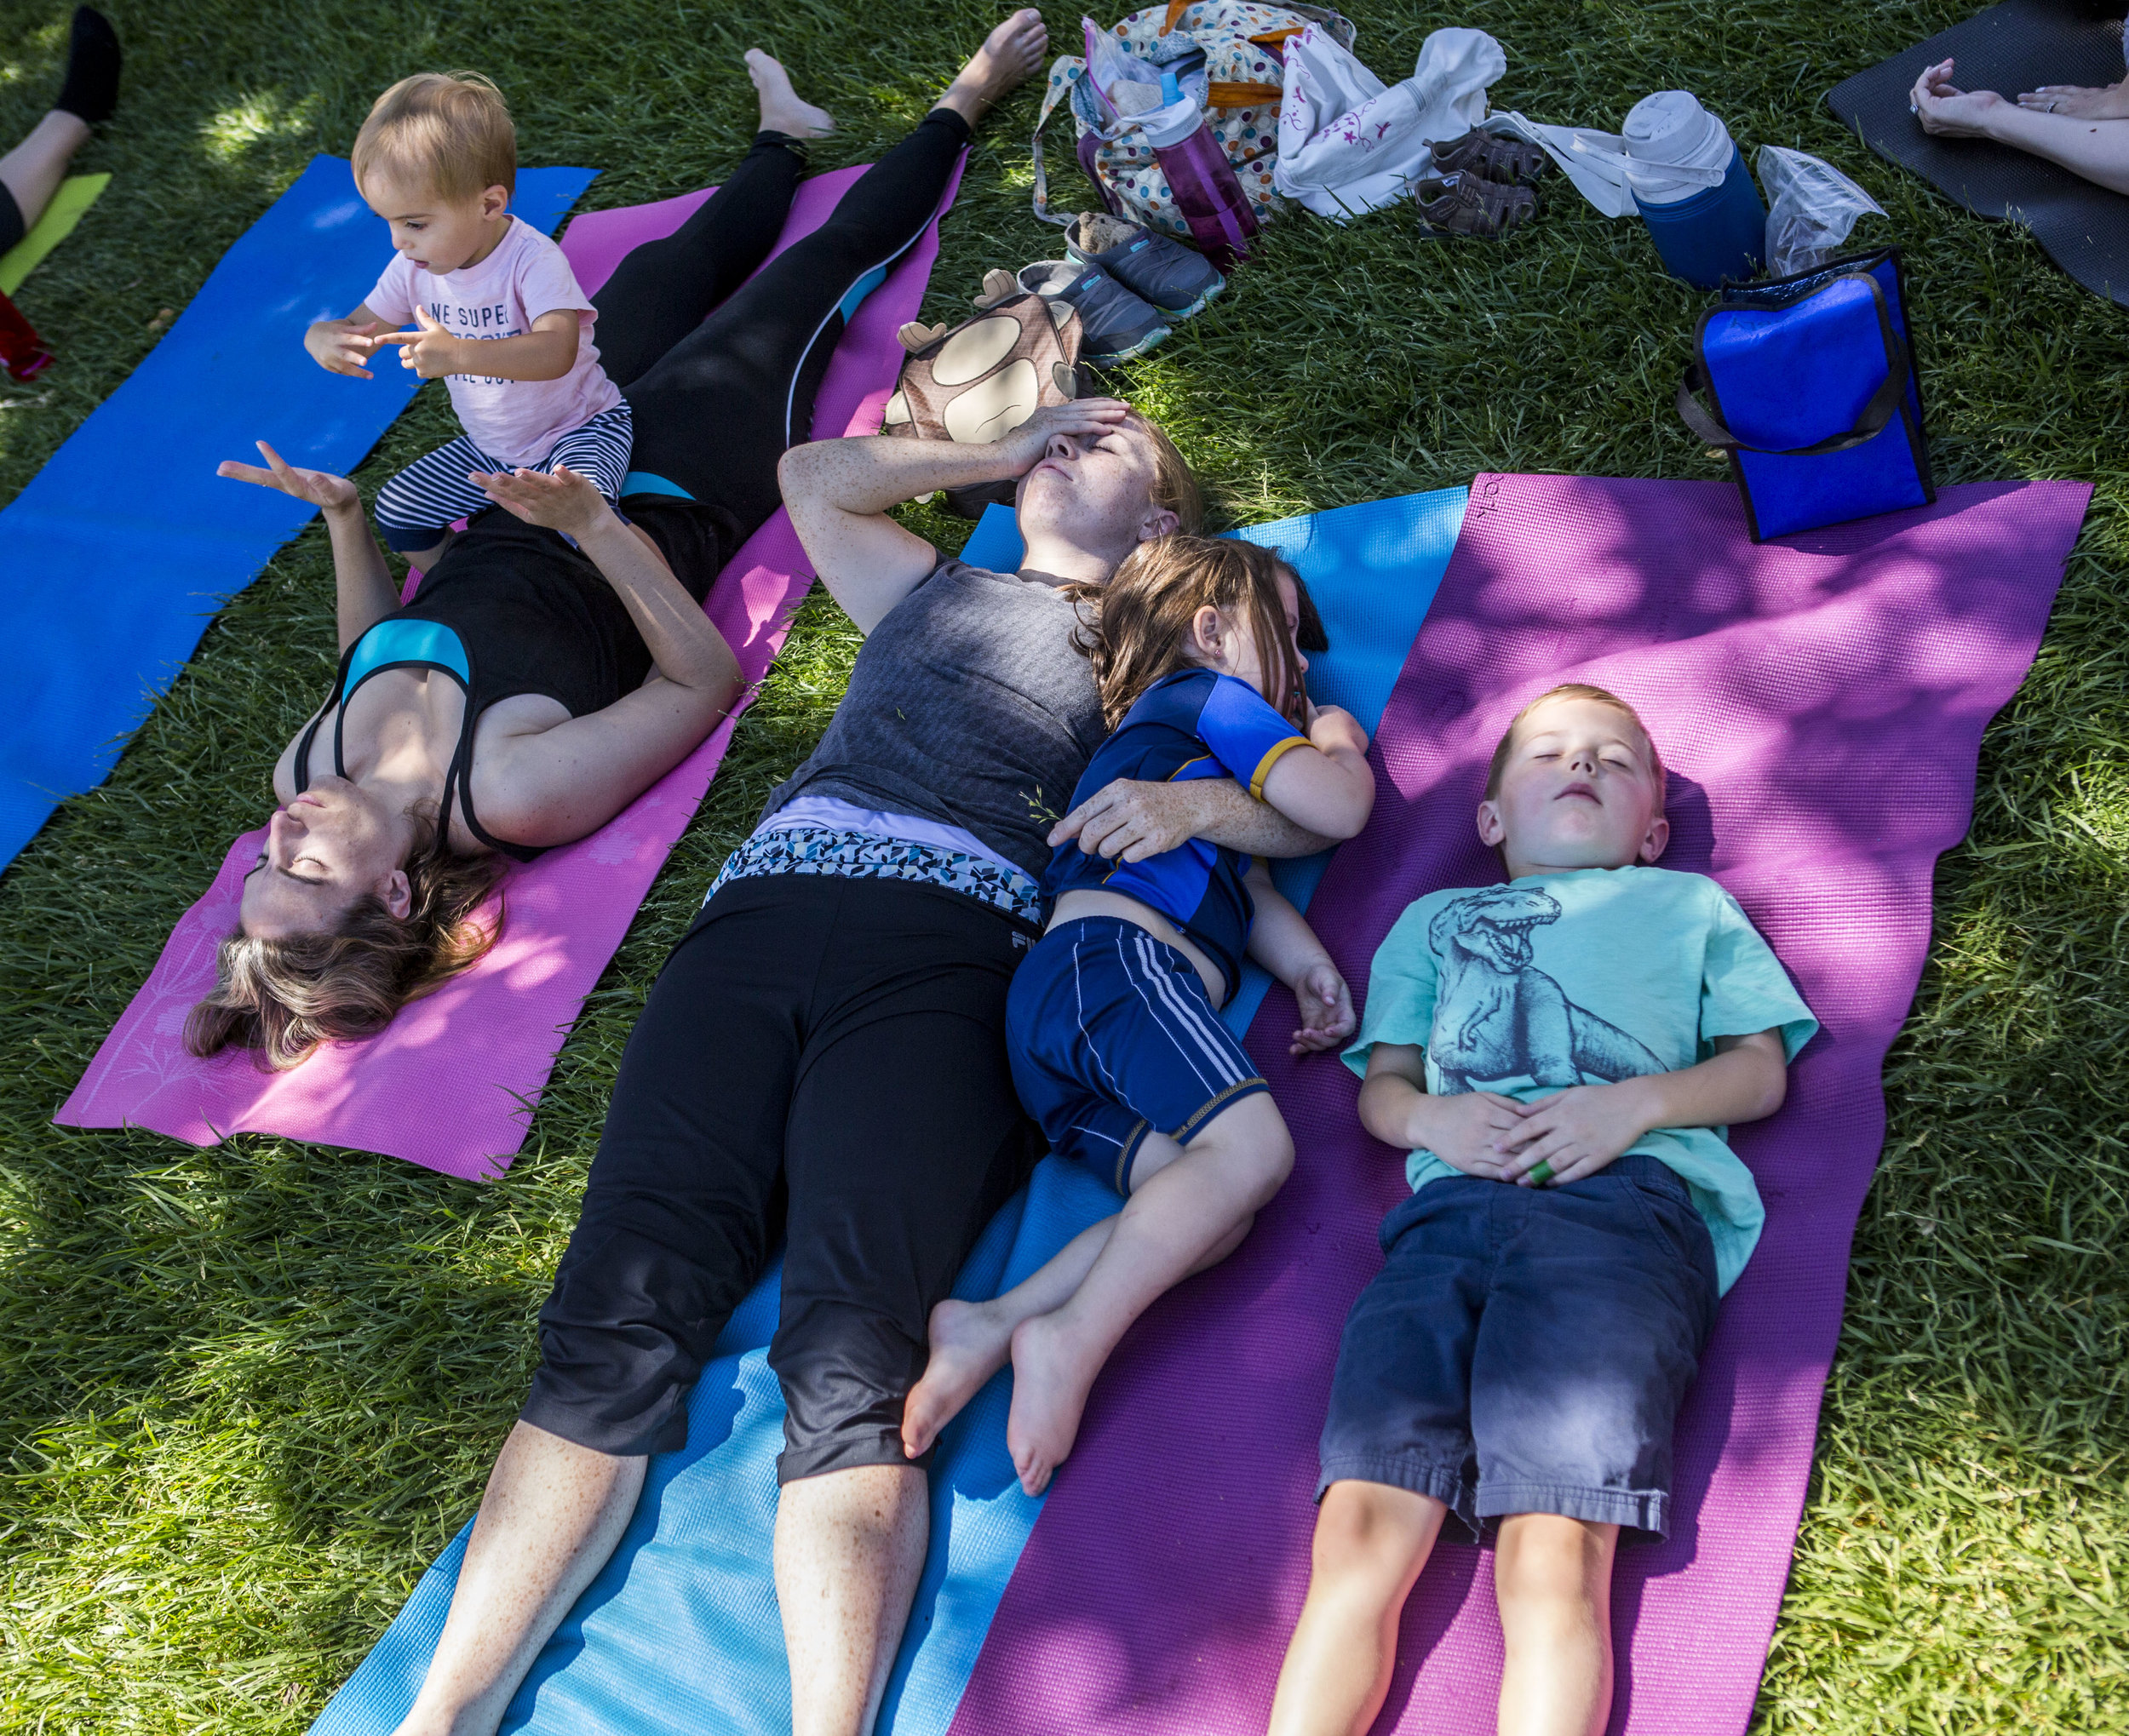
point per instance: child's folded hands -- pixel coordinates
(1574, 1133)
(1466, 1130)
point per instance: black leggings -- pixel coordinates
(823, 1054)
(12, 228)
(718, 400)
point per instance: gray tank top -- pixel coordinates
(968, 704)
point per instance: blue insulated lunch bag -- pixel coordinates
(1813, 395)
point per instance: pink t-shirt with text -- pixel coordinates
(516, 422)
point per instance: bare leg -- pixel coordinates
(1552, 1577)
(551, 1516)
(1371, 1541)
(781, 110)
(34, 169)
(1201, 1203)
(1010, 55)
(849, 1549)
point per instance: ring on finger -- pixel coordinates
(1540, 1173)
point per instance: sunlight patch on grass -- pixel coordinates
(266, 116)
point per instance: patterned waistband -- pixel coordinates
(864, 856)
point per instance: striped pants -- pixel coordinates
(417, 505)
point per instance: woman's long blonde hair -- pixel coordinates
(1139, 622)
(281, 998)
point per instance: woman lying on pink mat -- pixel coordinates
(556, 661)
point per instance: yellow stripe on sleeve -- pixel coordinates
(1271, 758)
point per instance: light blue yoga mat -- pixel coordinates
(680, 1631)
(126, 543)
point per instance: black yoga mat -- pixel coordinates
(2020, 45)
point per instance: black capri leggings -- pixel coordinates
(718, 400)
(822, 1055)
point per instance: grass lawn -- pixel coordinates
(246, 1394)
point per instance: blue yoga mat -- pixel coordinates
(680, 1631)
(126, 543)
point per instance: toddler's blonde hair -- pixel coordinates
(449, 132)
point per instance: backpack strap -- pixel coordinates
(1072, 69)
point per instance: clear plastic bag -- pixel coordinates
(1129, 86)
(1810, 207)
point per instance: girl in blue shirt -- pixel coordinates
(1112, 1023)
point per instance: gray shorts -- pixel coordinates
(1525, 1350)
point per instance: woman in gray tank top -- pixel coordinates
(825, 1047)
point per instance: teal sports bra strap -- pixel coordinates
(403, 642)
(648, 482)
(400, 641)
(396, 643)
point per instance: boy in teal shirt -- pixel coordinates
(1562, 1055)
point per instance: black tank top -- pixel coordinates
(532, 614)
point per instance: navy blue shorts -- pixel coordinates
(1111, 1034)
(1525, 1350)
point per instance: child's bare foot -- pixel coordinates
(1051, 1379)
(1010, 55)
(969, 1344)
(781, 110)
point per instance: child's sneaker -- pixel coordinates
(1492, 156)
(1466, 204)
(1114, 324)
(1175, 278)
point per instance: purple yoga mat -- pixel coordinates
(452, 1082)
(1820, 700)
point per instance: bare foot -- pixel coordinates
(781, 110)
(969, 1344)
(1050, 1385)
(1010, 55)
(2101, 102)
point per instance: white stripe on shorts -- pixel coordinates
(1212, 1038)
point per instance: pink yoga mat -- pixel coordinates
(452, 1083)
(1821, 701)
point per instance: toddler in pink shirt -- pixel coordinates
(438, 160)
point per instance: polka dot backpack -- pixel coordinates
(1212, 186)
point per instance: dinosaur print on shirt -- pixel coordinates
(1497, 1015)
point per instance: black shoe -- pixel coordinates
(91, 90)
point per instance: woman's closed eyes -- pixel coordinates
(287, 874)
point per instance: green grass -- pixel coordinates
(246, 1394)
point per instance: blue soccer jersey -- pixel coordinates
(1196, 723)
